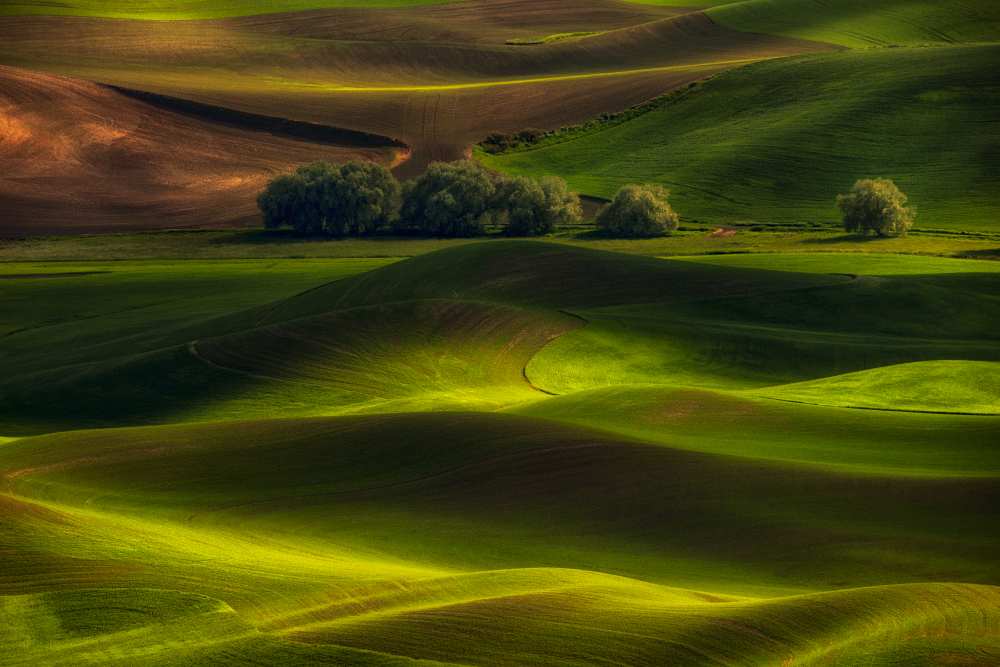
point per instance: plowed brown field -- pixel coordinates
(438, 78)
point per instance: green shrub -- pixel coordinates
(876, 205)
(638, 211)
(352, 199)
(535, 207)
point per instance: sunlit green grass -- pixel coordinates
(632, 520)
(409, 337)
(737, 150)
(933, 386)
(296, 538)
(860, 24)
(746, 424)
(253, 244)
(870, 264)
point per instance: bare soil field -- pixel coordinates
(78, 156)
(437, 78)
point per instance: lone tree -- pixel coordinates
(876, 205)
(352, 199)
(638, 211)
(535, 207)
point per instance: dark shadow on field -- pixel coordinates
(264, 237)
(988, 253)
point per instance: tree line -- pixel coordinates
(450, 199)
(463, 199)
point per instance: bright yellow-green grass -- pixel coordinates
(244, 244)
(871, 264)
(405, 535)
(773, 143)
(639, 518)
(860, 23)
(932, 386)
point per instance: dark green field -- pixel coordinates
(756, 441)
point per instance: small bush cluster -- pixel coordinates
(501, 143)
(638, 211)
(876, 206)
(457, 199)
(498, 143)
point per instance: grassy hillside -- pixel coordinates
(932, 386)
(294, 538)
(632, 520)
(747, 425)
(736, 149)
(507, 322)
(859, 24)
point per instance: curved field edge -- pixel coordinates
(971, 387)
(749, 426)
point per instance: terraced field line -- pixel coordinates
(529, 81)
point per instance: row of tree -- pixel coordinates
(455, 199)
(462, 199)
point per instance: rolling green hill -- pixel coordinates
(774, 142)
(859, 24)
(633, 519)
(294, 539)
(427, 453)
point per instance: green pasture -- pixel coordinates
(743, 246)
(930, 386)
(870, 264)
(704, 479)
(296, 535)
(758, 441)
(411, 337)
(861, 24)
(735, 151)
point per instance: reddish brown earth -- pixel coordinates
(75, 156)
(297, 66)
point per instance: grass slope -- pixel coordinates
(622, 523)
(747, 425)
(871, 264)
(736, 149)
(859, 24)
(294, 538)
(932, 386)
(409, 336)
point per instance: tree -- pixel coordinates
(282, 201)
(352, 199)
(535, 207)
(365, 199)
(453, 199)
(876, 205)
(638, 211)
